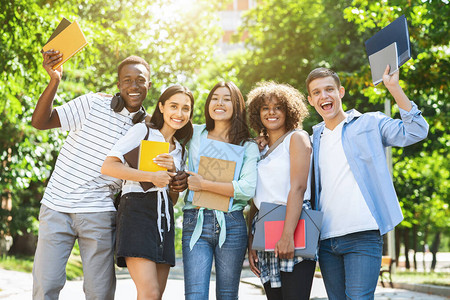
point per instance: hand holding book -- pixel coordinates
(195, 182)
(284, 248)
(51, 59)
(212, 185)
(165, 160)
(68, 39)
(142, 158)
(391, 80)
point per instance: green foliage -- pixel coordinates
(178, 218)
(287, 39)
(175, 37)
(421, 171)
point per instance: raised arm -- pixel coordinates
(412, 127)
(44, 116)
(391, 82)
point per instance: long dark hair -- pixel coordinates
(184, 134)
(238, 132)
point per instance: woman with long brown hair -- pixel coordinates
(212, 233)
(145, 222)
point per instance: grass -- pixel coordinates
(433, 278)
(74, 268)
(17, 263)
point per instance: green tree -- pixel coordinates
(176, 38)
(420, 171)
(287, 39)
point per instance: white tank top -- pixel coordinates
(274, 176)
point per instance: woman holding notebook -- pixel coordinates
(276, 111)
(213, 233)
(145, 223)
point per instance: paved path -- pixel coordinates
(17, 286)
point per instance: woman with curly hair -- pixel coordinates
(276, 112)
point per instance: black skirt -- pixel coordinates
(137, 233)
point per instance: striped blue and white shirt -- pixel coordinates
(76, 184)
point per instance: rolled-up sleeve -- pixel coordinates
(411, 129)
(245, 187)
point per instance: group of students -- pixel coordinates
(352, 186)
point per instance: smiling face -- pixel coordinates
(326, 97)
(176, 111)
(133, 85)
(273, 116)
(221, 106)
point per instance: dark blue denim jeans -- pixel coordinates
(228, 258)
(350, 264)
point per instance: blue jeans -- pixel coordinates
(350, 264)
(228, 258)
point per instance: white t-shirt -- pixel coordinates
(274, 176)
(133, 139)
(341, 201)
(76, 184)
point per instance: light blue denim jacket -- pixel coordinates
(364, 138)
(244, 187)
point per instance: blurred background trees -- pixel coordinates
(282, 40)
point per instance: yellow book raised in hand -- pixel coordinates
(148, 151)
(68, 39)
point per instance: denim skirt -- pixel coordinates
(137, 233)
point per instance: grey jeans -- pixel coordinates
(57, 234)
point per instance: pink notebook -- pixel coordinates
(274, 229)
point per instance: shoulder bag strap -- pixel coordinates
(313, 186)
(148, 132)
(275, 145)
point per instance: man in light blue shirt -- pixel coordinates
(353, 185)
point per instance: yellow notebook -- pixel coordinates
(68, 41)
(148, 151)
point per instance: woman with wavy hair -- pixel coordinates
(277, 111)
(210, 233)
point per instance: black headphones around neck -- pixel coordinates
(117, 104)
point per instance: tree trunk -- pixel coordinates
(397, 245)
(406, 241)
(414, 228)
(24, 244)
(434, 249)
(424, 248)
